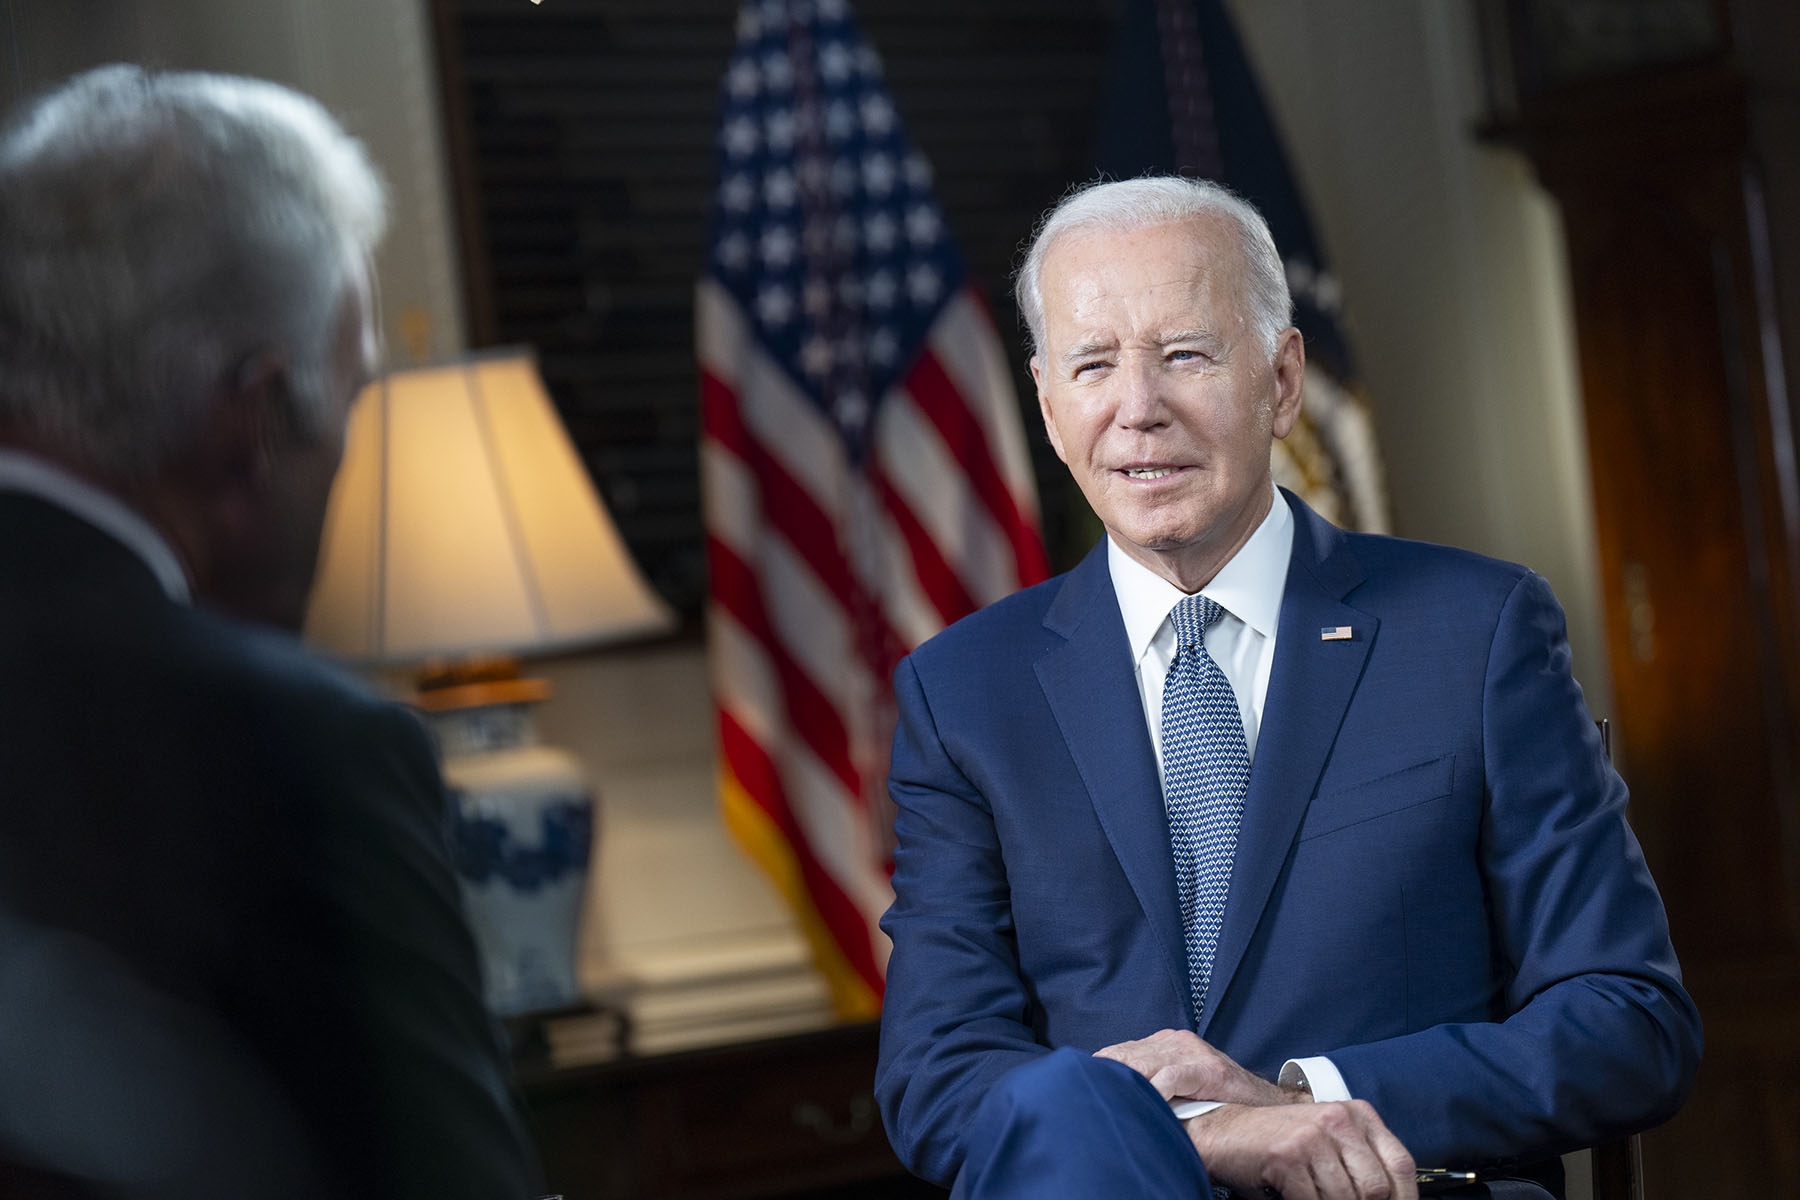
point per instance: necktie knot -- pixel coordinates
(1193, 616)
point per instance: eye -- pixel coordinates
(1088, 368)
(1182, 356)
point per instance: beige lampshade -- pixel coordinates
(463, 522)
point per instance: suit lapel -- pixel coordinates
(1310, 687)
(1092, 690)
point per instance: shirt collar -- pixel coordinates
(22, 472)
(1249, 586)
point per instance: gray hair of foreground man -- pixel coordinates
(1125, 205)
(158, 231)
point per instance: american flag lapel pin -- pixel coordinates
(1335, 633)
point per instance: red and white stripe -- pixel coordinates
(823, 574)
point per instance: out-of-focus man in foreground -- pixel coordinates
(232, 958)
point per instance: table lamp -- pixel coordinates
(463, 531)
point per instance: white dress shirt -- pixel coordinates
(1242, 642)
(22, 472)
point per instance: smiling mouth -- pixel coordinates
(1149, 472)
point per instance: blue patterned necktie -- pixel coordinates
(1206, 771)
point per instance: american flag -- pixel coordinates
(863, 462)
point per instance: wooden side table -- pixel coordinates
(790, 1117)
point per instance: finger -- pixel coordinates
(1367, 1172)
(1380, 1158)
(1136, 1048)
(1179, 1079)
(1203, 1081)
(1300, 1156)
(1217, 1079)
(1148, 1055)
(1178, 1042)
(1134, 1060)
(1321, 1177)
(1343, 1163)
(1400, 1166)
(1128, 1053)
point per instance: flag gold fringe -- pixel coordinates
(851, 995)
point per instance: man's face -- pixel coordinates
(1158, 394)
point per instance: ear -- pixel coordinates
(242, 425)
(1043, 399)
(253, 412)
(1290, 378)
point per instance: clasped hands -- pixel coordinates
(1269, 1137)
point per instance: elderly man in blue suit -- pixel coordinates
(1283, 889)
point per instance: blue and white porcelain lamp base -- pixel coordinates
(521, 835)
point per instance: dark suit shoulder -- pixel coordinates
(1423, 593)
(89, 633)
(1411, 555)
(1369, 569)
(1401, 564)
(300, 711)
(233, 658)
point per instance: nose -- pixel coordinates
(1140, 399)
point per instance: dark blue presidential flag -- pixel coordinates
(1182, 99)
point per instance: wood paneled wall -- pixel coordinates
(1679, 207)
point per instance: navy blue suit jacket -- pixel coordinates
(1435, 884)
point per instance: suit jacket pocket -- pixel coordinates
(1394, 791)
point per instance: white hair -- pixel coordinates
(1121, 206)
(156, 232)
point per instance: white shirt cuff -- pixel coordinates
(1193, 1108)
(1320, 1075)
